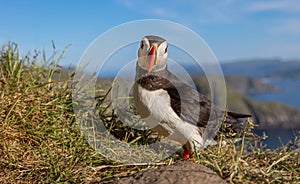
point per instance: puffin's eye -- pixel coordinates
(142, 45)
(166, 50)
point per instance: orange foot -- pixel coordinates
(187, 155)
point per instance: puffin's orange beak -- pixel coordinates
(152, 56)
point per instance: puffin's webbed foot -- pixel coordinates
(188, 152)
(187, 155)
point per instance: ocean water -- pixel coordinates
(278, 137)
(289, 94)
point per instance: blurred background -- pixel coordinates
(256, 42)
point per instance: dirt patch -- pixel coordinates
(181, 173)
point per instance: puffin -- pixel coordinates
(173, 108)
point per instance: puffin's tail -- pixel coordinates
(236, 125)
(237, 115)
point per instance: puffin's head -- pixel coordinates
(153, 54)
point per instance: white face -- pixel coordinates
(152, 57)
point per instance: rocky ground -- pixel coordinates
(181, 173)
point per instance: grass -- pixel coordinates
(40, 141)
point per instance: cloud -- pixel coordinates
(148, 8)
(283, 50)
(187, 12)
(288, 26)
(275, 5)
(126, 3)
(284, 19)
(195, 12)
(158, 11)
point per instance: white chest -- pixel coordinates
(158, 104)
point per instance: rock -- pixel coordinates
(181, 173)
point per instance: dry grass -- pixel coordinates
(40, 141)
(249, 162)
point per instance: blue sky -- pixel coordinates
(234, 29)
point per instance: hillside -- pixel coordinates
(241, 84)
(269, 115)
(266, 114)
(260, 67)
(292, 74)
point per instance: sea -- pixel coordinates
(288, 94)
(276, 138)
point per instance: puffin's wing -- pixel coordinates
(188, 104)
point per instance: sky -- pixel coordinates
(233, 29)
